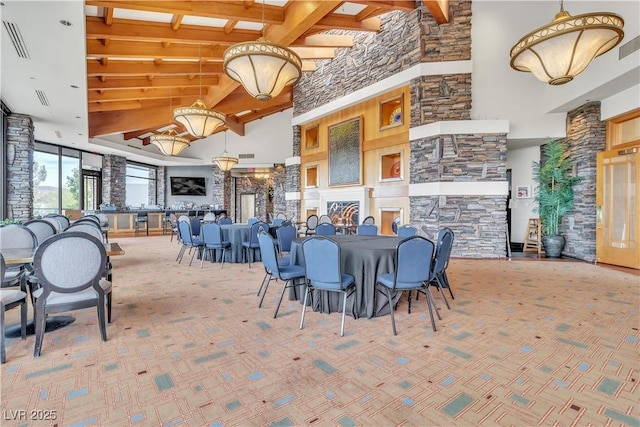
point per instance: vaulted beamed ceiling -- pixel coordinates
(145, 58)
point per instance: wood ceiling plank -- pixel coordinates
(208, 9)
(299, 17)
(404, 5)
(127, 83)
(145, 68)
(348, 23)
(107, 122)
(314, 52)
(95, 107)
(126, 29)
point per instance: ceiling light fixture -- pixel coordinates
(225, 162)
(261, 67)
(559, 51)
(169, 142)
(198, 119)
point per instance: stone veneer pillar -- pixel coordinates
(586, 136)
(279, 179)
(292, 181)
(114, 180)
(222, 189)
(20, 147)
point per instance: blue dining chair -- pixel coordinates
(212, 240)
(252, 244)
(225, 220)
(188, 241)
(277, 222)
(407, 230)
(252, 220)
(444, 246)
(412, 271)
(323, 272)
(274, 270)
(367, 230)
(325, 229)
(285, 235)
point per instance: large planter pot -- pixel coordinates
(553, 246)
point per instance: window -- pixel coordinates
(141, 185)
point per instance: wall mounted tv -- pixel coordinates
(188, 186)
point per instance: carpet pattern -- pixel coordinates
(525, 343)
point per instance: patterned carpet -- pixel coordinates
(525, 343)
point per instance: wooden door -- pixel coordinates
(618, 207)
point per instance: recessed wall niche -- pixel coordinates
(391, 167)
(392, 112)
(311, 176)
(311, 137)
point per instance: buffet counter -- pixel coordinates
(122, 222)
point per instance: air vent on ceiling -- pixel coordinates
(133, 146)
(629, 47)
(246, 156)
(42, 96)
(58, 134)
(16, 39)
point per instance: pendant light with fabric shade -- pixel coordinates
(224, 161)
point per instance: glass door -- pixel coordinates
(617, 208)
(92, 190)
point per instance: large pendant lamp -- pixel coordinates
(224, 161)
(169, 142)
(261, 67)
(559, 51)
(198, 119)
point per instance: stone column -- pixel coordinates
(20, 147)
(222, 189)
(292, 181)
(586, 136)
(114, 180)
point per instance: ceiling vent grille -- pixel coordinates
(42, 97)
(246, 156)
(16, 39)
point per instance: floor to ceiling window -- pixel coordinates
(141, 185)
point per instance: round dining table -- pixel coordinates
(364, 257)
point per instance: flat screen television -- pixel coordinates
(188, 186)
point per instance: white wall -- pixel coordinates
(520, 162)
(195, 171)
(536, 110)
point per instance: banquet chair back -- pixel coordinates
(324, 219)
(367, 230)
(41, 228)
(92, 218)
(252, 244)
(441, 262)
(407, 231)
(252, 220)
(286, 234)
(323, 272)
(142, 218)
(212, 239)
(394, 225)
(173, 221)
(277, 222)
(188, 241)
(16, 236)
(85, 227)
(57, 224)
(281, 215)
(62, 219)
(69, 267)
(274, 270)
(412, 271)
(225, 220)
(369, 220)
(11, 298)
(325, 229)
(210, 216)
(88, 222)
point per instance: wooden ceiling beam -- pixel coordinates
(95, 107)
(314, 52)
(107, 122)
(153, 50)
(325, 40)
(127, 83)
(135, 95)
(147, 68)
(208, 9)
(404, 5)
(439, 9)
(299, 17)
(348, 23)
(125, 29)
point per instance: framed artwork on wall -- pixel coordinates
(523, 192)
(345, 153)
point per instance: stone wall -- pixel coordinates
(586, 136)
(447, 42)
(256, 186)
(222, 188)
(373, 57)
(279, 179)
(161, 184)
(20, 146)
(440, 98)
(114, 180)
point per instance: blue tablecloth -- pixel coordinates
(236, 234)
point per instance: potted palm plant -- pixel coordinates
(554, 193)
